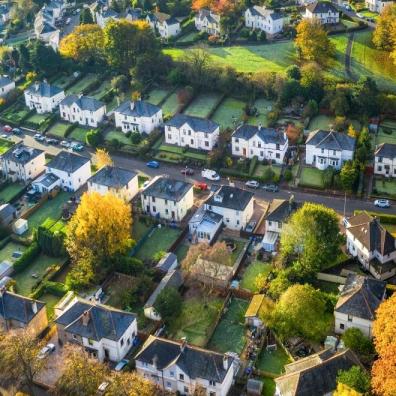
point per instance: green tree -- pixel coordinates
(354, 339)
(44, 59)
(86, 17)
(349, 175)
(356, 378)
(385, 29)
(168, 304)
(293, 71)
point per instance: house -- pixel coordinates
(356, 306)
(204, 225)
(22, 163)
(207, 21)
(83, 110)
(4, 13)
(6, 86)
(137, 116)
(167, 263)
(322, 11)
(168, 199)
(43, 97)
(233, 204)
(45, 29)
(46, 183)
(377, 5)
(120, 182)
(252, 312)
(385, 160)
(104, 15)
(178, 367)
(315, 374)
(328, 148)
(173, 279)
(6, 269)
(19, 312)
(104, 332)
(134, 14)
(264, 143)
(8, 214)
(73, 170)
(166, 25)
(261, 18)
(372, 245)
(195, 132)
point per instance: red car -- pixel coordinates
(187, 172)
(201, 186)
(7, 128)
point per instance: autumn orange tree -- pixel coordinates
(383, 373)
(385, 29)
(103, 158)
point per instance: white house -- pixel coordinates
(73, 170)
(328, 148)
(104, 15)
(204, 225)
(120, 182)
(83, 110)
(104, 332)
(166, 25)
(179, 367)
(207, 21)
(385, 160)
(22, 163)
(195, 132)
(167, 198)
(46, 183)
(377, 5)
(134, 14)
(43, 97)
(45, 29)
(265, 143)
(6, 86)
(234, 204)
(137, 116)
(372, 245)
(261, 18)
(324, 12)
(358, 301)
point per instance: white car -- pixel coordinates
(210, 175)
(49, 348)
(121, 365)
(65, 143)
(252, 184)
(382, 203)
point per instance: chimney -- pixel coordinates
(259, 126)
(45, 81)
(34, 307)
(36, 85)
(284, 135)
(225, 362)
(132, 104)
(155, 361)
(2, 291)
(183, 344)
(85, 318)
(80, 95)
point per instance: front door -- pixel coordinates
(244, 152)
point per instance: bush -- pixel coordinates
(288, 175)
(354, 339)
(29, 255)
(56, 288)
(383, 217)
(51, 243)
(253, 164)
(94, 137)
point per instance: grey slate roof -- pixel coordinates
(21, 154)
(322, 7)
(361, 296)
(203, 214)
(267, 135)
(104, 322)
(232, 198)
(280, 210)
(134, 13)
(386, 150)
(166, 262)
(262, 11)
(166, 188)
(67, 162)
(137, 108)
(112, 176)
(83, 102)
(211, 17)
(44, 89)
(195, 362)
(47, 180)
(6, 211)
(19, 308)
(171, 21)
(197, 124)
(4, 81)
(331, 140)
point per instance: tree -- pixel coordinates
(293, 71)
(260, 281)
(131, 384)
(385, 29)
(120, 84)
(103, 158)
(312, 42)
(354, 339)
(352, 132)
(363, 150)
(168, 304)
(86, 17)
(44, 59)
(349, 175)
(383, 373)
(355, 378)
(345, 390)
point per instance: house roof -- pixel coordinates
(322, 7)
(137, 108)
(4, 81)
(267, 135)
(166, 188)
(203, 214)
(112, 176)
(67, 162)
(361, 296)
(22, 154)
(230, 198)
(254, 306)
(265, 12)
(100, 321)
(280, 210)
(194, 361)
(386, 150)
(19, 308)
(6, 210)
(47, 180)
(83, 102)
(331, 140)
(44, 89)
(171, 21)
(209, 15)
(316, 374)
(134, 13)
(197, 124)
(166, 262)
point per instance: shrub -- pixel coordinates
(51, 243)
(29, 255)
(253, 164)
(288, 176)
(94, 137)
(56, 288)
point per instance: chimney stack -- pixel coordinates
(132, 104)
(85, 318)
(183, 344)
(34, 307)
(225, 362)
(36, 85)
(259, 126)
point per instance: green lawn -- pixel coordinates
(196, 320)
(181, 252)
(188, 37)
(139, 228)
(37, 119)
(59, 129)
(273, 361)
(9, 249)
(51, 301)
(167, 148)
(170, 106)
(251, 273)
(203, 105)
(10, 191)
(263, 106)
(79, 133)
(15, 112)
(229, 113)
(229, 335)
(82, 84)
(311, 177)
(387, 187)
(118, 135)
(338, 65)
(269, 386)
(5, 145)
(101, 91)
(321, 122)
(156, 96)
(387, 132)
(62, 81)
(262, 170)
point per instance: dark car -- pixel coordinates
(16, 131)
(187, 172)
(270, 187)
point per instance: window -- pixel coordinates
(379, 159)
(154, 209)
(181, 377)
(277, 155)
(349, 318)
(342, 326)
(166, 202)
(186, 389)
(172, 373)
(212, 393)
(322, 151)
(168, 385)
(169, 136)
(277, 147)
(122, 342)
(153, 199)
(206, 143)
(212, 383)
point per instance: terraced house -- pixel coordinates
(385, 160)
(43, 97)
(261, 18)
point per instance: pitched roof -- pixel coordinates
(254, 306)
(4, 81)
(386, 150)
(331, 140)
(67, 162)
(112, 176)
(171, 21)
(209, 15)
(267, 135)
(197, 124)
(166, 262)
(231, 198)
(280, 210)
(265, 12)
(203, 214)
(22, 154)
(194, 361)
(137, 108)
(47, 180)
(166, 188)
(361, 296)
(44, 89)
(83, 102)
(322, 7)
(100, 321)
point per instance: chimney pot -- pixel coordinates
(85, 318)
(34, 307)
(225, 362)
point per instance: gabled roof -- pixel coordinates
(166, 188)
(203, 214)
(264, 12)
(361, 296)
(95, 321)
(44, 89)
(112, 176)
(209, 15)
(67, 162)
(230, 198)
(195, 362)
(197, 124)
(171, 21)
(166, 262)
(386, 150)
(83, 102)
(4, 81)
(331, 140)
(267, 135)
(322, 7)
(47, 180)
(137, 108)
(22, 154)
(280, 210)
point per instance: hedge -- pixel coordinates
(253, 164)
(51, 243)
(383, 217)
(29, 255)
(56, 288)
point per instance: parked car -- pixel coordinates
(121, 365)
(270, 187)
(4, 136)
(52, 141)
(68, 20)
(7, 128)
(77, 147)
(102, 388)
(251, 226)
(49, 348)
(153, 164)
(16, 131)
(187, 172)
(382, 203)
(65, 143)
(210, 174)
(201, 186)
(252, 184)
(39, 137)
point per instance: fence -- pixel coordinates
(141, 241)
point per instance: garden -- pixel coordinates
(266, 171)
(157, 96)
(15, 113)
(385, 187)
(59, 129)
(37, 120)
(10, 250)
(229, 113)
(101, 91)
(82, 84)
(252, 271)
(386, 132)
(176, 154)
(272, 361)
(79, 133)
(10, 191)
(62, 81)
(170, 106)
(203, 105)
(5, 145)
(263, 106)
(311, 178)
(321, 122)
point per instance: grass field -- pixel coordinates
(311, 177)
(274, 361)
(166, 148)
(229, 335)
(9, 249)
(170, 106)
(62, 81)
(321, 122)
(15, 112)
(139, 229)
(387, 187)
(82, 84)
(10, 191)
(5, 145)
(188, 37)
(50, 301)
(387, 132)
(263, 106)
(261, 170)
(99, 92)
(229, 113)
(59, 129)
(251, 273)
(156, 96)
(118, 135)
(203, 105)
(79, 133)
(37, 119)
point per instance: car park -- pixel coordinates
(153, 164)
(252, 184)
(382, 203)
(187, 171)
(270, 187)
(121, 365)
